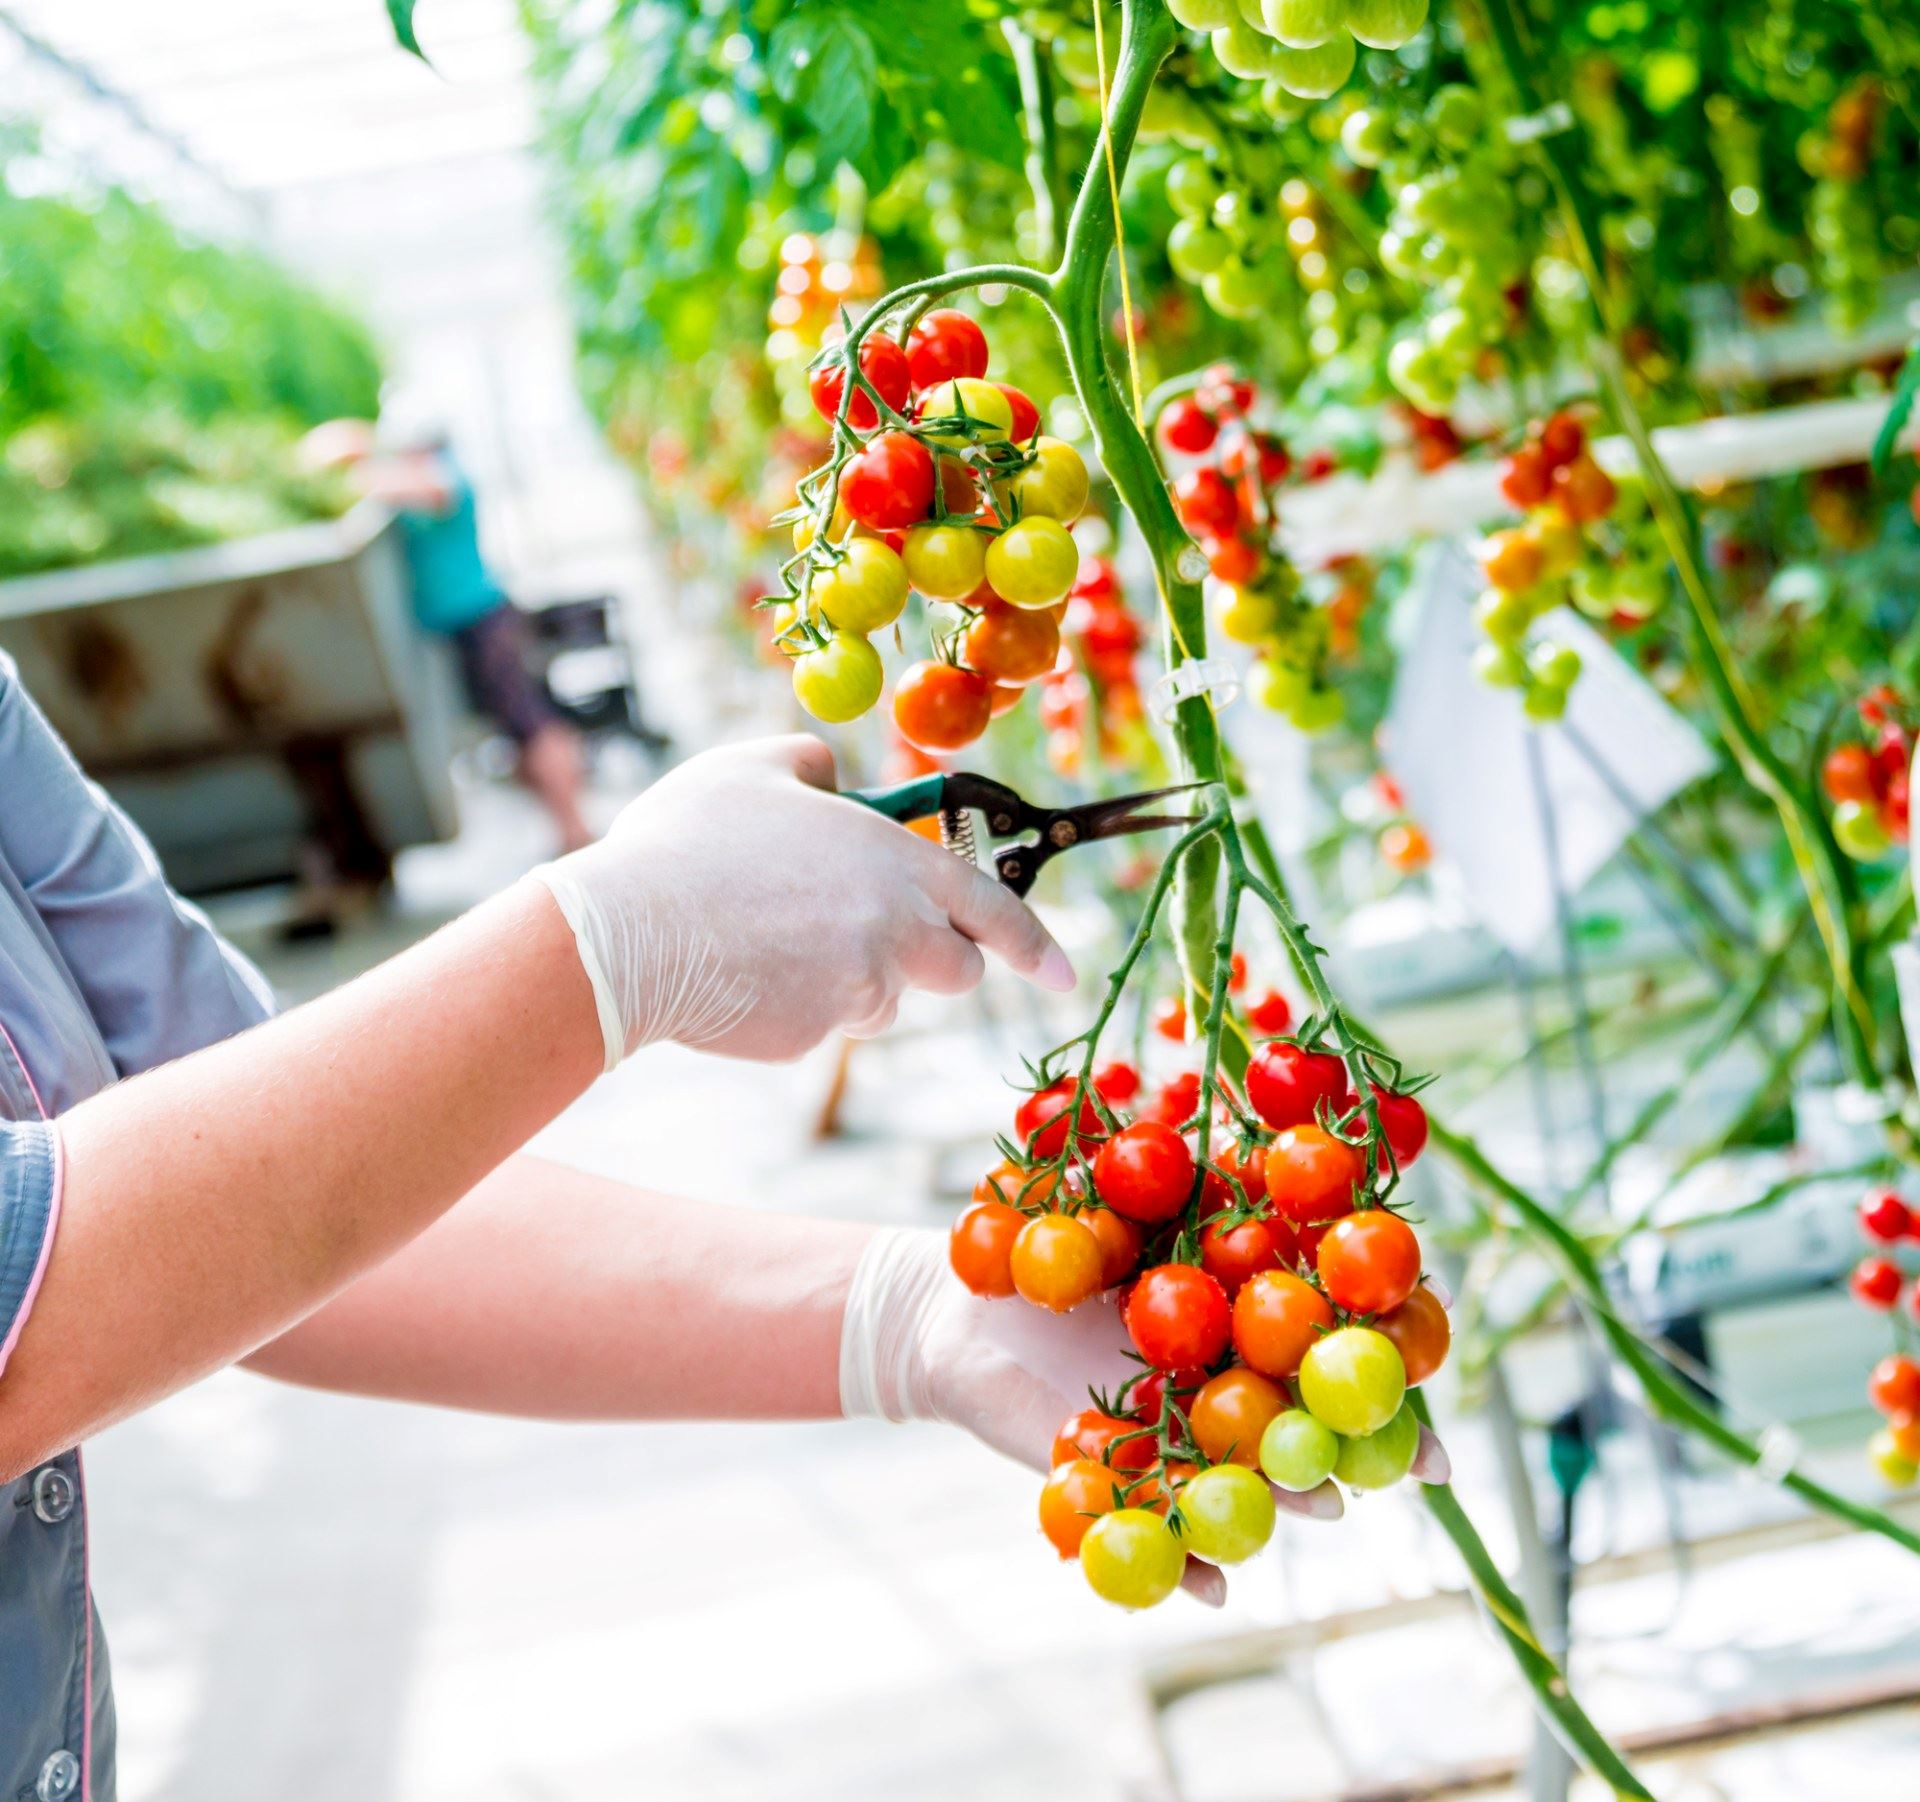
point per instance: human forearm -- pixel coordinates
(560, 1295)
(210, 1204)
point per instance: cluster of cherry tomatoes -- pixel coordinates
(1307, 48)
(1095, 689)
(941, 483)
(1867, 779)
(1274, 1300)
(1404, 847)
(1894, 1388)
(1228, 499)
(1555, 481)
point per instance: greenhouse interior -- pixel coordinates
(1369, 1126)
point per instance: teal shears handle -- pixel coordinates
(905, 801)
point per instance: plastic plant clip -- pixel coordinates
(1779, 1452)
(1213, 677)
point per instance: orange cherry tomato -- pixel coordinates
(1012, 645)
(1421, 1332)
(1070, 1498)
(1277, 1316)
(1312, 1176)
(1055, 1262)
(981, 1247)
(1091, 1434)
(1369, 1261)
(1120, 1244)
(1231, 1412)
(1233, 1254)
(1584, 491)
(940, 706)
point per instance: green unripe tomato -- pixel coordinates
(1204, 15)
(1379, 1460)
(1594, 587)
(1400, 255)
(1280, 105)
(1192, 187)
(839, 681)
(1367, 136)
(1253, 12)
(1235, 290)
(1543, 705)
(1228, 1514)
(1503, 617)
(1385, 24)
(1250, 616)
(1421, 375)
(1298, 1452)
(1352, 1380)
(1890, 1463)
(1075, 56)
(1456, 115)
(1500, 666)
(1247, 53)
(1318, 72)
(1196, 249)
(1131, 1558)
(1858, 831)
(1555, 665)
(1640, 591)
(1453, 334)
(1277, 685)
(1304, 24)
(1318, 710)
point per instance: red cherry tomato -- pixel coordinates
(1271, 1015)
(1232, 1254)
(1884, 1216)
(1147, 1397)
(1145, 1171)
(1234, 561)
(1170, 1018)
(1584, 491)
(1404, 1121)
(1118, 1083)
(1369, 1261)
(1312, 1176)
(1247, 1164)
(1177, 1101)
(1562, 438)
(1188, 427)
(1096, 580)
(1207, 504)
(1178, 1317)
(981, 1246)
(1220, 390)
(1527, 479)
(1876, 1282)
(940, 706)
(945, 344)
(889, 484)
(1847, 774)
(1040, 1124)
(1026, 416)
(1273, 464)
(1236, 974)
(1288, 1086)
(1894, 1387)
(883, 363)
(1091, 1434)
(1012, 645)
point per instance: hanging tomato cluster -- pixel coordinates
(1404, 847)
(940, 483)
(1554, 555)
(1228, 499)
(1894, 1388)
(1274, 1300)
(1094, 694)
(1867, 780)
(1308, 48)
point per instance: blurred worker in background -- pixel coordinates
(408, 463)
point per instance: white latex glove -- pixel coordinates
(916, 1344)
(740, 906)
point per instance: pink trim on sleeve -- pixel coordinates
(53, 1212)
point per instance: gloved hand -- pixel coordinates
(740, 906)
(915, 1344)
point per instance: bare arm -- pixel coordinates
(556, 1294)
(210, 1204)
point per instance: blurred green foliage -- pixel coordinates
(152, 385)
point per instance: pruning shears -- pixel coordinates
(1042, 832)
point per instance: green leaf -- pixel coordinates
(1905, 390)
(400, 15)
(824, 63)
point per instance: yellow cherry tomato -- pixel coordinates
(990, 412)
(840, 680)
(1033, 562)
(1054, 484)
(945, 562)
(865, 590)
